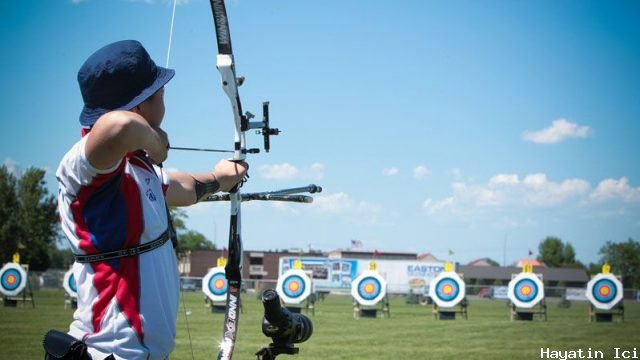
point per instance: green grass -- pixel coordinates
(410, 333)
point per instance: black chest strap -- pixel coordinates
(127, 252)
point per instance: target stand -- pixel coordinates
(368, 290)
(526, 293)
(214, 286)
(604, 292)
(15, 285)
(447, 291)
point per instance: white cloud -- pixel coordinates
(341, 203)
(560, 130)
(420, 172)
(433, 207)
(392, 171)
(535, 190)
(504, 179)
(284, 171)
(609, 189)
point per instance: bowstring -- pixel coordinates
(182, 295)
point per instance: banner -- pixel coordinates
(337, 274)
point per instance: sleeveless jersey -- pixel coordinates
(126, 306)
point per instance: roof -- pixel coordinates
(532, 262)
(505, 273)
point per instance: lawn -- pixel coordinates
(410, 333)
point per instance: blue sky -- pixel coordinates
(431, 125)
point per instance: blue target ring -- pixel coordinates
(218, 284)
(11, 279)
(447, 289)
(604, 290)
(369, 288)
(293, 286)
(526, 290)
(72, 283)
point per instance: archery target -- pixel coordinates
(214, 284)
(447, 289)
(69, 284)
(526, 290)
(604, 291)
(368, 288)
(13, 279)
(294, 286)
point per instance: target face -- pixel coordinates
(294, 286)
(69, 284)
(13, 279)
(368, 288)
(526, 290)
(214, 284)
(604, 291)
(447, 289)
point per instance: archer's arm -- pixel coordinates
(184, 188)
(117, 133)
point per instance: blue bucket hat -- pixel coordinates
(118, 76)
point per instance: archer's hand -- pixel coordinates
(230, 173)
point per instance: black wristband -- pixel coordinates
(203, 189)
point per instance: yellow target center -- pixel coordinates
(219, 284)
(604, 291)
(293, 286)
(11, 279)
(447, 289)
(526, 290)
(368, 288)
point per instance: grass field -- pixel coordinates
(410, 333)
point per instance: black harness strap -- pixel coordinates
(127, 252)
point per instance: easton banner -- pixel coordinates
(447, 289)
(604, 291)
(214, 284)
(526, 290)
(337, 274)
(13, 279)
(294, 286)
(368, 288)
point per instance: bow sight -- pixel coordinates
(263, 127)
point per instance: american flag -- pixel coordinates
(356, 243)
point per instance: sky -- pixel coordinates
(473, 127)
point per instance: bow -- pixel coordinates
(230, 84)
(233, 269)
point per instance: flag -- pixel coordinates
(356, 243)
(376, 253)
(530, 252)
(450, 252)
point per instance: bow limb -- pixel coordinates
(233, 269)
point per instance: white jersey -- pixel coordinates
(127, 306)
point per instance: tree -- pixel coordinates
(28, 217)
(554, 253)
(492, 262)
(624, 259)
(188, 240)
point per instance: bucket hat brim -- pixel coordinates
(89, 116)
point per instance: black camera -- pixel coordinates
(282, 326)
